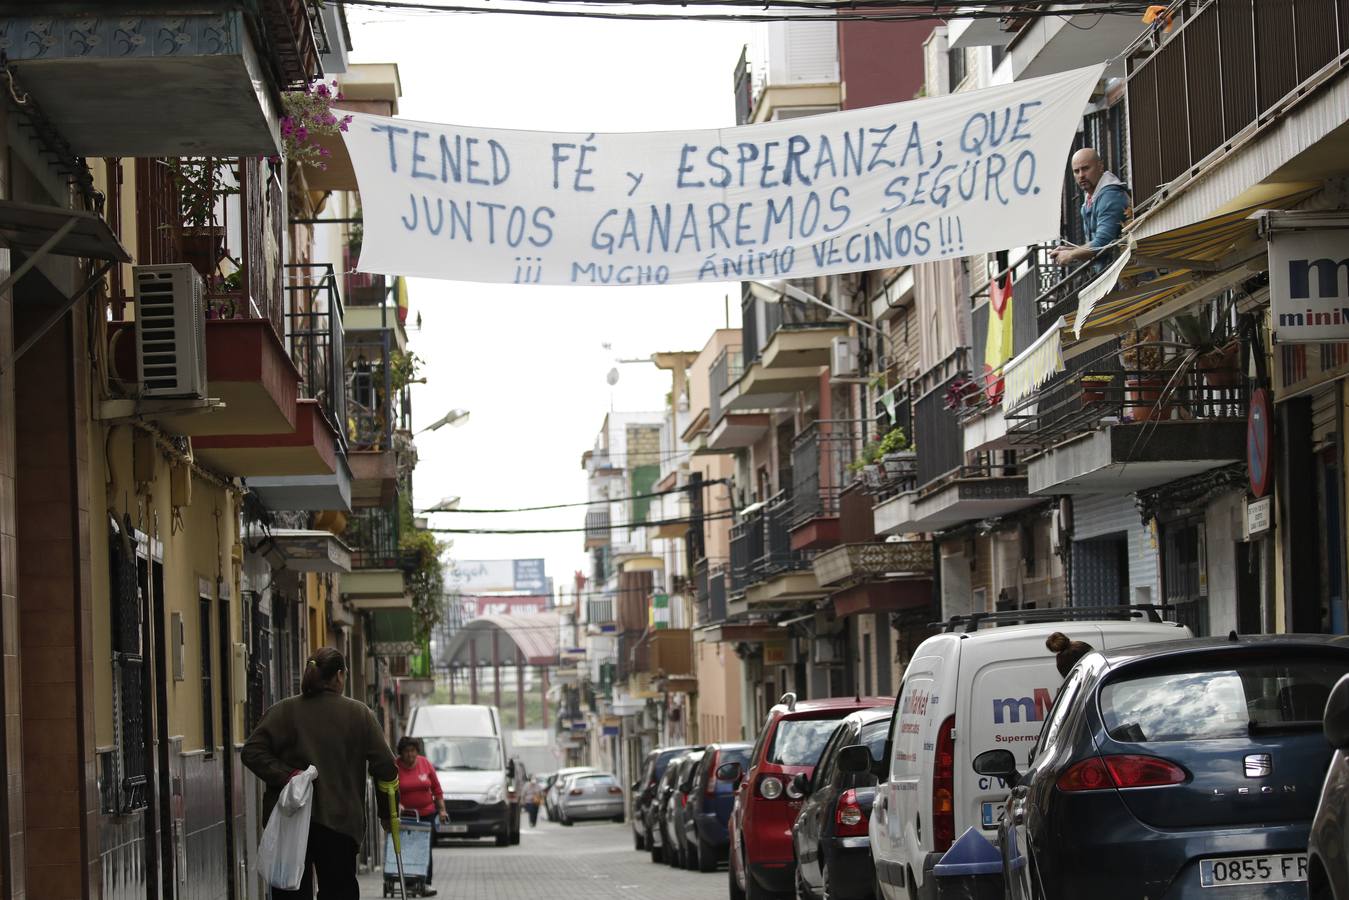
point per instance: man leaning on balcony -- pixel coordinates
(1104, 209)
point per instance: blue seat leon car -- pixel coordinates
(1174, 772)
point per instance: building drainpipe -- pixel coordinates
(473, 671)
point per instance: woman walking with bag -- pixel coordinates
(340, 738)
(419, 792)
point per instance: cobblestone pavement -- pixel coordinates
(584, 862)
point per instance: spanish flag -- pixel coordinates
(998, 344)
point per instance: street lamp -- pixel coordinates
(453, 417)
(446, 504)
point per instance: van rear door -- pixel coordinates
(1011, 692)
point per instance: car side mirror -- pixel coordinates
(510, 769)
(855, 760)
(801, 784)
(1336, 722)
(997, 764)
(729, 772)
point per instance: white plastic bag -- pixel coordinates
(285, 840)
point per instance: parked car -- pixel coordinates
(710, 802)
(829, 840)
(587, 796)
(1328, 845)
(465, 746)
(766, 801)
(674, 847)
(644, 791)
(553, 786)
(1167, 770)
(657, 840)
(993, 687)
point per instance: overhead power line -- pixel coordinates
(598, 502)
(825, 11)
(614, 527)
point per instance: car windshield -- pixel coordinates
(1227, 701)
(798, 742)
(478, 753)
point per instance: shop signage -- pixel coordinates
(934, 178)
(1259, 516)
(1309, 285)
(775, 653)
(1259, 428)
(488, 575)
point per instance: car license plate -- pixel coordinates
(454, 829)
(989, 814)
(1253, 869)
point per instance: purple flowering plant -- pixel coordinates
(309, 113)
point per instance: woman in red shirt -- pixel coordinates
(419, 791)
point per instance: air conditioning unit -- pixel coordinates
(170, 331)
(843, 362)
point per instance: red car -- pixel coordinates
(766, 804)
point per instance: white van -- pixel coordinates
(466, 745)
(965, 692)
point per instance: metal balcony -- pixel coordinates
(1226, 69)
(820, 458)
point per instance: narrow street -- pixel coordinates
(585, 862)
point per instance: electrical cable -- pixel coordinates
(616, 527)
(821, 16)
(597, 502)
(909, 9)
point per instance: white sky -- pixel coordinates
(529, 362)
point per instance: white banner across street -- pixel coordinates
(871, 188)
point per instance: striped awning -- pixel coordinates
(1165, 266)
(1034, 366)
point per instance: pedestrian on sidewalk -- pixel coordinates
(340, 738)
(533, 798)
(419, 792)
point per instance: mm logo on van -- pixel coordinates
(1015, 709)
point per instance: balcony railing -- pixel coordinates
(598, 533)
(221, 215)
(820, 457)
(760, 321)
(726, 371)
(1230, 67)
(295, 31)
(315, 324)
(600, 612)
(1083, 401)
(372, 535)
(747, 543)
(937, 430)
(716, 594)
(854, 563)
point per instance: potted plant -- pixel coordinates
(868, 464)
(1094, 386)
(201, 240)
(896, 453)
(1142, 353)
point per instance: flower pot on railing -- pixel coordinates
(1220, 366)
(203, 248)
(1094, 388)
(1143, 400)
(873, 476)
(899, 464)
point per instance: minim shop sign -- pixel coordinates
(1309, 284)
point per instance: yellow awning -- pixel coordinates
(1166, 265)
(642, 564)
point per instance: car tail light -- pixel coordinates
(943, 788)
(770, 787)
(683, 798)
(710, 788)
(576, 792)
(1105, 773)
(849, 820)
(615, 789)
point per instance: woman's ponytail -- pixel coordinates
(321, 670)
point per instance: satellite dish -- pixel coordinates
(612, 377)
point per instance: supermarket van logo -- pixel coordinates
(1018, 709)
